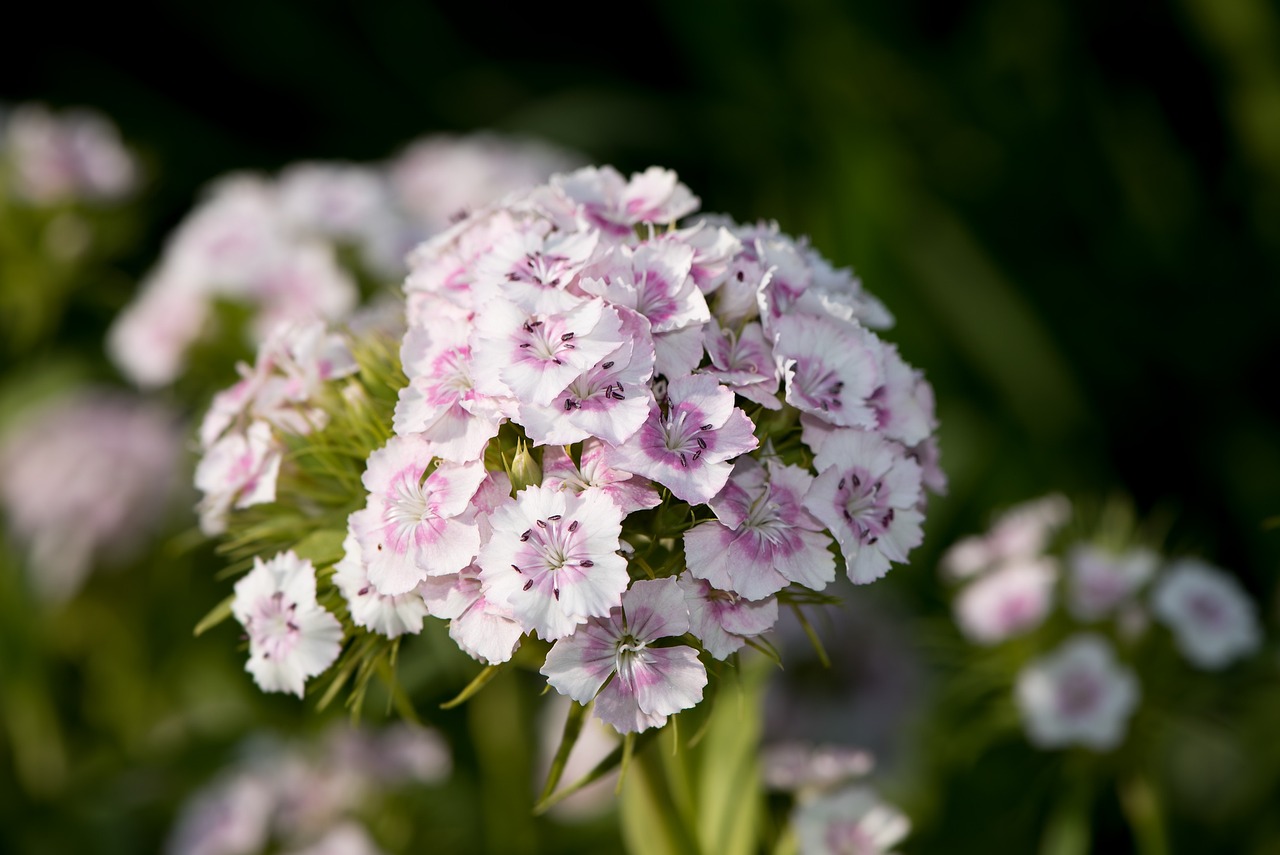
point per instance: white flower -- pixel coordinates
(1212, 618)
(1077, 695)
(291, 638)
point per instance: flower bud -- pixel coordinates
(523, 470)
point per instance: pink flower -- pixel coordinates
(688, 445)
(291, 638)
(866, 494)
(763, 538)
(722, 620)
(417, 527)
(553, 558)
(1100, 581)
(1022, 531)
(744, 362)
(391, 616)
(831, 369)
(628, 492)
(1007, 602)
(649, 683)
(238, 471)
(614, 205)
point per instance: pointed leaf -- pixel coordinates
(216, 615)
(569, 738)
(482, 679)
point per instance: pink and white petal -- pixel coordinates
(670, 680)
(578, 666)
(616, 706)
(654, 608)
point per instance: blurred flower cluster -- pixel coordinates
(259, 251)
(1080, 616)
(316, 796)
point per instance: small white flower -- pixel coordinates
(1077, 695)
(1100, 581)
(1008, 601)
(291, 638)
(1212, 618)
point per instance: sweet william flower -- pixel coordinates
(851, 821)
(1007, 602)
(687, 445)
(629, 492)
(866, 494)
(1213, 620)
(1077, 695)
(238, 471)
(418, 524)
(291, 637)
(1100, 581)
(553, 558)
(648, 683)
(762, 539)
(722, 620)
(391, 616)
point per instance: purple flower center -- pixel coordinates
(1078, 693)
(545, 340)
(272, 628)
(818, 384)
(549, 546)
(684, 434)
(861, 503)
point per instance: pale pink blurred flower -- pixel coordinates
(1022, 531)
(1100, 581)
(851, 821)
(86, 478)
(797, 766)
(74, 155)
(1214, 622)
(1009, 601)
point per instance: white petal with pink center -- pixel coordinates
(533, 354)
(391, 616)
(688, 446)
(1022, 531)
(649, 683)
(628, 492)
(654, 280)
(532, 258)
(866, 494)
(904, 401)
(743, 361)
(482, 628)
(417, 527)
(441, 403)
(610, 401)
(1077, 695)
(763, 539)
(553, 558)
(722, 620)
(608, 202)
(831, 369)
(291, 638)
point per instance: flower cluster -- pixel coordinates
(1082, 692)
(50, 158)
(85, 478)
(306, 798)
(629, 437)
(299, 246)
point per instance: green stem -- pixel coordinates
(1142, 808)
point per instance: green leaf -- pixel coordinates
(604, 767)
(216, 615)
(569, 738)
(321, 547)
(482, 679)
(813, 637)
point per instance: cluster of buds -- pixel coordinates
(1081, 693)
(629, 437)
(299, 246)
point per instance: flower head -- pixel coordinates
(1077, 695)
(1213, 621)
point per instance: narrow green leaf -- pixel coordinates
(216, 615)
(604, 767)
(569, 738)
(628, 748)
(482, 679)
(813, 637)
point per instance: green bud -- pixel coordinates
(524, 469)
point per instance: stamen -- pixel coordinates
(684, 461)
(524, 537)
(702, 443)
(586, 562)
(566, 337)
(556, 592)
(363, 591)
(541, 523)
(528, 585)
(705, 427)
(608, 364)
(554, 517)
(573, 526)
(517, 569)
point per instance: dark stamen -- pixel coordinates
(525, 536)
(566, 337)
(556, 591)
(363, 591)
(541, 523)
(705, 427)
(702, 443)
(684, 461)
(608, 364)
(573, 526)
(586, 562)
(517, 569)
(554, 517)
(528, 585)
